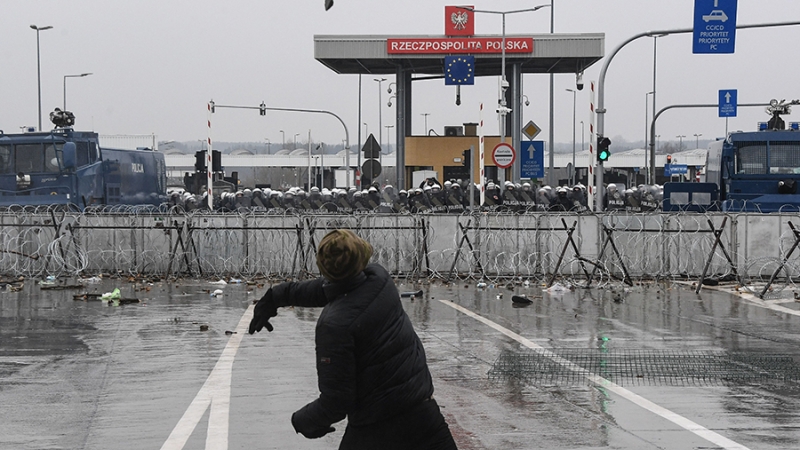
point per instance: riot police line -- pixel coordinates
(431, 196)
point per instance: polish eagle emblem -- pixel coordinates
(459, 20)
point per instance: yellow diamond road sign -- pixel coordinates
(531, 130)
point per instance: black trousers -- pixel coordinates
(421, 428)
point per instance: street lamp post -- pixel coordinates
(652, 172)
(697, 140)
(388, 137)
(572, 175)
(646, 128)
(295, 141)
(680, 141)
(380, 112)
(283, 140)
(65, 85)
(269, 145)
(583, 135)
(39, 68)
(502, 108)
(425, 115)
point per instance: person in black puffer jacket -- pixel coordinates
(371, 365)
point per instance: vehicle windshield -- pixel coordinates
(31, 158)
(760, 158)
(5, 159)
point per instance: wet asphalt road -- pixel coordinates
(88, 375)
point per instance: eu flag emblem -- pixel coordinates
(459, 70)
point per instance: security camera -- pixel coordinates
(579, 81)
(328, 4)
(503, 110)
(389, 104)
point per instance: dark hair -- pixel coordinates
(342, 255)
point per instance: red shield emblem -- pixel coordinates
(458, 21)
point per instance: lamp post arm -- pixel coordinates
(602, 79)
(313, 111)
(666, 108)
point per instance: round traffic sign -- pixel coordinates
(503, 155)
(371, 168)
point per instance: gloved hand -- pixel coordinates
(265, 309)
(305, 429)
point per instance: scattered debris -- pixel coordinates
(557, 288)
(412, 294)
(522, 300)
(203, 327)
(100, 297)
(481, 285)
(228, 332)
(217, 293)
(221, 282)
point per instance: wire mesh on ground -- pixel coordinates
(632, 367)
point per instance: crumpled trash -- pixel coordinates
(113, 295)
(217, 293)
(91, 280)
(234, 281)
(218, 282)
(50, 279)
(557, 288)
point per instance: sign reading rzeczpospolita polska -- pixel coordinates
(458, 45)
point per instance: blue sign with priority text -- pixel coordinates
(727, 102)
(531, 159)
(714, 26)
(675, 169)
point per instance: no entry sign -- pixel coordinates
(503, 155)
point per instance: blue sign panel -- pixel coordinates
(675, 169)
(714, 26)
(727, 102)
(531, 159)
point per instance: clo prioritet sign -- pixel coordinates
(458, 45)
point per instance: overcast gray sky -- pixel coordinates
(156, 63)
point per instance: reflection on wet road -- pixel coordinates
(90, 375)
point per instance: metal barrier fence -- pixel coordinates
(759, 250)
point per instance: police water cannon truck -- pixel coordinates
(750, 171)
(71, 169)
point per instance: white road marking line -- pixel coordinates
(675, 418)
(216, 393)
(752, 298)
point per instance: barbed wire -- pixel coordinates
(500, 248)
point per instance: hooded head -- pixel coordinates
(342, 255)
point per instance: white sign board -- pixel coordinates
(503, 155)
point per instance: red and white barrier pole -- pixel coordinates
(480, 161)
(592, 142)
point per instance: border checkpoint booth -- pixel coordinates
(414, 58)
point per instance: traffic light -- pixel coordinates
(669, 159)
(602, 148)
(200, 161)
(216, 161)
(466, 157)
(262, 108)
